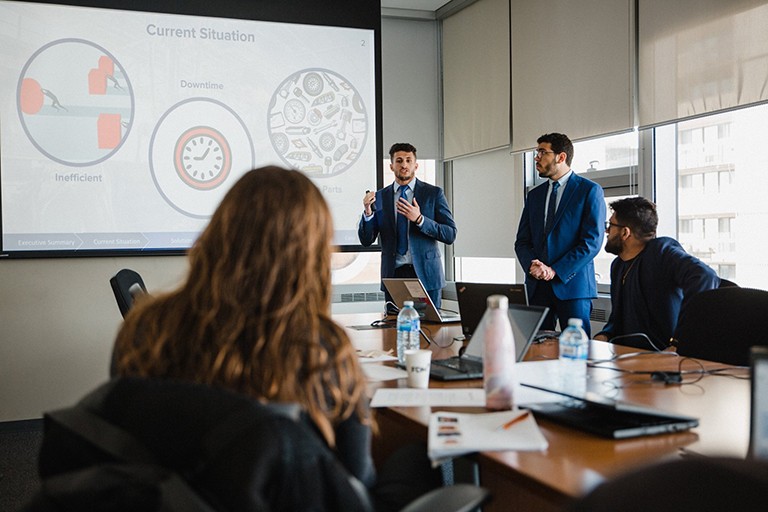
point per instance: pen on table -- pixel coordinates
(513, 421)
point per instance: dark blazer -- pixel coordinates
(233, 451)
(574, 241)
(664, 278)
(438, 226)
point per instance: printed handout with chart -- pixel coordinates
(453, 434)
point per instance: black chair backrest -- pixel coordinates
(116, 448)
(127, 285)
(700, 483)
(722, 324)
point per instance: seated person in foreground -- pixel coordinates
(253, 315)
(694, 484)
(651, 279)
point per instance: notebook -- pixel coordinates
(525, 322)
(473, 299)
(403, 289)
(606, 417)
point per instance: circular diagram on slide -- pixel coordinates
(202, 157)
(198, 148)
(75, 102)
(318, 122)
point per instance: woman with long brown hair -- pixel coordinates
(253, 315)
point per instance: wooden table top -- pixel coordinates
(576, 461)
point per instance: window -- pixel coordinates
(486, 270)
(726, 271)
(719, 207)
(724, 227)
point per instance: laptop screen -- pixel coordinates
(525, 322)
(473, 298)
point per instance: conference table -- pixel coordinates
(574, 461)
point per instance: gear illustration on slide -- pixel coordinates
(75, 102)
(318, 122)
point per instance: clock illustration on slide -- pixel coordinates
(202, 157)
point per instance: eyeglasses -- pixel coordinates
(539, 152)
(608, 225)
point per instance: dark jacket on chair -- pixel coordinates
(230, 451)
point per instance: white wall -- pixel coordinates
(58, 319)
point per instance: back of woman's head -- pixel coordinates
(267, 246)
(253, 314)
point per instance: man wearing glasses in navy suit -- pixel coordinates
(560, 233)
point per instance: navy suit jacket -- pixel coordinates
(573, 242)
(438, 226)
(663, 278)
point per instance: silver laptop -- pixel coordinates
(525, 321)
(403, 289)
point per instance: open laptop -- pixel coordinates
(525, 322)
(411, 288)
(606, 417)
(473, 300)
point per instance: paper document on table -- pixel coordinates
(380, 372)
(444, 397)
(441, 397)
(454, 434)
(375, 356)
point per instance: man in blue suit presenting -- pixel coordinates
(409, 217)
(560, 233)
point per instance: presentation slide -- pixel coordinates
(123, 130)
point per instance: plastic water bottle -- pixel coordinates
(574, 348)
(408, 328)
(498, 354)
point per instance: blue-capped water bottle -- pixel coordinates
(408, 329)
(574, 349)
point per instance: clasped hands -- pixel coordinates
(541, 271)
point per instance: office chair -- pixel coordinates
(722, 324)
(725, 283)
(692, 484)
(127, 286)
(134, 444)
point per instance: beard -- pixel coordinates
(546, 171)
(613, 246)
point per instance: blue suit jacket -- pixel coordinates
(438, 226)
(573, 242)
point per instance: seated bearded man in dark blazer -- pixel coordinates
(651, 278)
